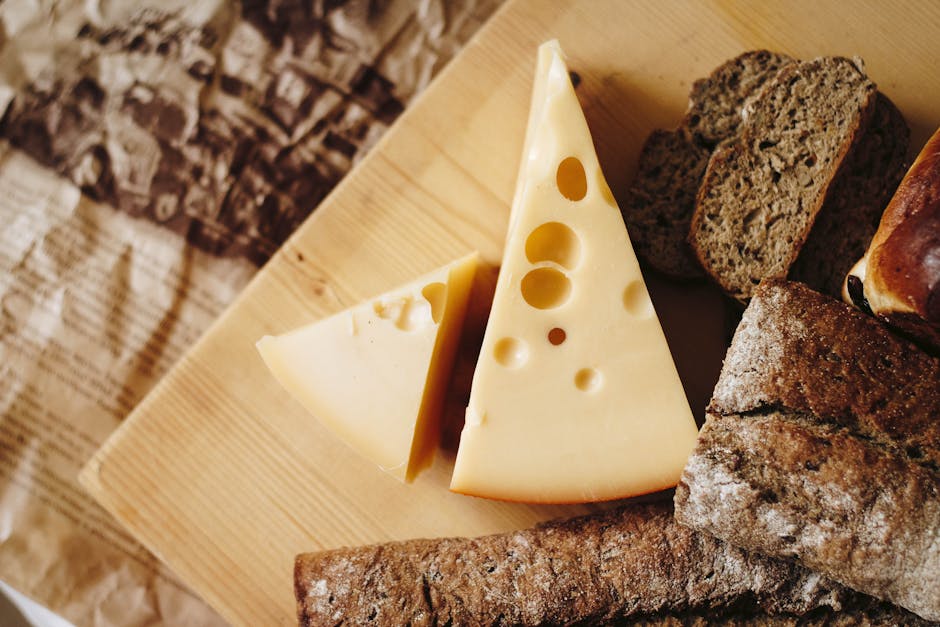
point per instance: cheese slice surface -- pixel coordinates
(376, 373)
(575, 396)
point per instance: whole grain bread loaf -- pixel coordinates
(632, 563)
(658, 206)
(862, 611)
(763, 189)
(822, 444)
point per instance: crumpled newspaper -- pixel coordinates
(232, 131)
(150, 160)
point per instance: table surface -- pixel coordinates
(224, 477)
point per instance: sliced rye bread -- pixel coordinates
(857, 197)
(822, 444)
(763, 188)
(715, 102)
(658, 207)
(632, 563)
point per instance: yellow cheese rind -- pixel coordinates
(428, 426)
(575, 396)
(375, 374)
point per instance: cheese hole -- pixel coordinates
(588, 379)
(436, 295)
(408, 314)
(511, 352)
(388, 309)
(545, 288)
(556, 336)
(570, 178)
(554, 241)
(415, 315)
(636, 301)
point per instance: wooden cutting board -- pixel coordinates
(223, 476)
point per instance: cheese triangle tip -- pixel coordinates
(575, 380)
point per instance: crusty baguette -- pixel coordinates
(822, 443)
(861, 611)
(899, 277)
(763, 189)
(632, 563)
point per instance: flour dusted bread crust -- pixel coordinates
(822, 444)
(899, 277)
(763, 189)
(633, 563)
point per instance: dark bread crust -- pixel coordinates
(822, 443)
(902, 277)
(863, 612)
(763, 189)
(801, 350)
(916, 327)
(634, 563)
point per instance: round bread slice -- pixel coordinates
(658, 208)
(715, 102)
(763, 189)
(857, 197)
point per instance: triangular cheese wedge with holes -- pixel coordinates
(575, 396)
(376, 373)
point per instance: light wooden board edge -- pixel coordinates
(740, 31)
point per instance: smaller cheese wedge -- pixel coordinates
(376, 373)
(575, 396)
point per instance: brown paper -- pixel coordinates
(152, 159)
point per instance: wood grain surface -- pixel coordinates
(226, 478)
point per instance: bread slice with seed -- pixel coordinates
(633, 563)
(658, 207)
(822, 444)
(763, 189)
